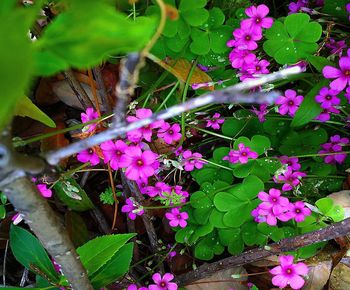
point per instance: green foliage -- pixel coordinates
(74, 37)
(336, 8)
(30, 253)
(107, 196)
(106, 258)
(293, 40)
(329, 209)
(3, 200)
(26, 108)
(72, 195)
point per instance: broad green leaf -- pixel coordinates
(216, 18)
(187, 5)
(96, 254)
(228, 234)
(311, 250)
(216, 219)
(195, 17)
(26, 108)
(76, 228)
(237, 216)
(28, 251)
(295, 23)
(201, 43)
(243, 170)
(225, 201)
(250, 234)
(319, 62)
(183, 235)
(325, 204)
(220, 153)
(116, 267)
(71, 194)
(337, 9)
(260, 144)
(236, 246)
(2, 211)
(15, 59)
(309, 108)
(88, 32)
(249, 188)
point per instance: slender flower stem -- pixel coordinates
(211, 132)
(168, 96)
(216, 164)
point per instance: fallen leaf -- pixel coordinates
(180, 68)
(340, 277)
(318, 275)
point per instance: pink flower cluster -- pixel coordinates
(241, 155)
(291, 176)
(132, 208)
(336, 47)
(192, 160)
(177, 218)
(289, 103)
(88, 116)
(215, 122)
(288, 273)
(334, 149)
(160, 283)
(328, 99)
(245, 41)
(276, 207)
(261, 112)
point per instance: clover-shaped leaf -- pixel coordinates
(292, 40)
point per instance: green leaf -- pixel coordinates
(236, 246)
(250, 234)
(260, 144)
(115, 268)
(225, 201)
(293, 40)
(238, 216)
(15, 58)
(26, 108)
(99, 252)
(28, 251)
(319, 62)
(2, 211)
(243, 170)
(228, 234)
(336, 8)
(216, 18)
(220, 153)
(71, 194)
(200, 44)
(325, 204)
(88, 32)
(249, 188)
(195, 18)
(76, 228)
(309, 108)
(216, 219)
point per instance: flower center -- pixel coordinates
(274, 199)
(289, 271)
(258, 20)
(118, 152)
(139, 162)
(291, 103)
(171, 132)
(347, 72)
(257, 68)
(298, 210)
(162, 284)
(328, 98)
(179, 216)
(244, 153)
(90, 151)
(248, 37)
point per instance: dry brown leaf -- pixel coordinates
(221, 276)
(318, 275)
(340, 278)
(181, 68)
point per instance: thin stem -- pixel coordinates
(216, 164)
(111, 180)
(168, 96)
(211, 133)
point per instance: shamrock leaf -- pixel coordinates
(293, 40)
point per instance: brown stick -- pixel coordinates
(46, 226)
(102, 88)
(78, 89)
(289, 244)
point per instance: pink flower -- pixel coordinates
(289, 103)
(268, 215)
(336, 47)
(88, 116)
(114, 153)
(336, 139)
(290, 179)
(177, 218)
(258, 17)
(341, 76)
(191, 160)
(292, 162)
(347, 94)
(215, 121)
(45, 192)
(332, 158)
(158, 189)
(88, 155)
(132, 208)
(241, 155)
(134, 287)
(239, 57)
(257, 67)
(146, 131)
(261, 112)
(139, 164)
(288, 273)
(17, 218)
(299, 211)
(169, 134)
(325, 115)
(327, 98)
(163, 283)
(273, 200)
(295, 7)
(246, 37)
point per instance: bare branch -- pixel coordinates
(290, 244)
(102, 88)
(233, 94)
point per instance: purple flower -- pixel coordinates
(347, 94)
(140, 164)
(177, 218)
(288, 273)
(158, 189)
(88, 155)
(257, 17)
(134, 287)
(327, 98)
(132, 208)
(239, 57)
(299, 211)
(146, 131)
(295, 7)
(334, 146)
(336, 47)
(246, 37)
(289, 103)
(257, 67)
(170, 134)
(325, 115)
(88, 116)
(273, 199)
(215, 121)
(191, 160)
(241, 155)
(341, 76)
(292, 162)
(114, 153)
(261, 112)
(163, 283)
(290, 179)
(268, 215)
(45, 192)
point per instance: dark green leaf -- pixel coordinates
(225, 201)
